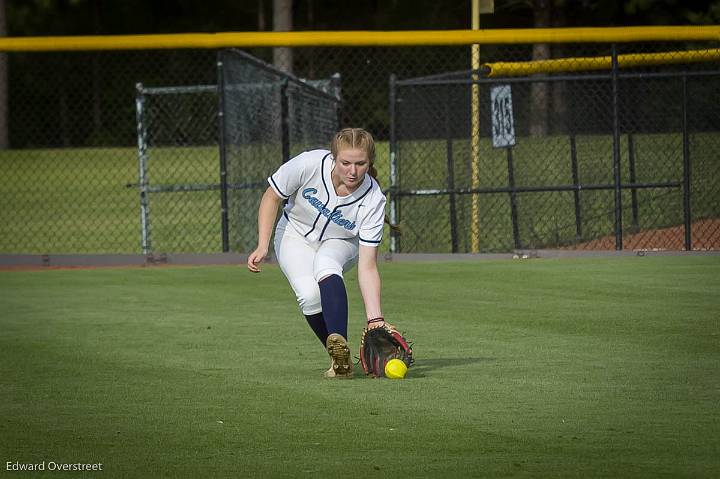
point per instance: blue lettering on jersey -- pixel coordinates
(334, 216)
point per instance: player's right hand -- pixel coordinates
(255, 259)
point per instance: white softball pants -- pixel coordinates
(305, 263)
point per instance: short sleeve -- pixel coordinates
(290, 176)
(371, 230)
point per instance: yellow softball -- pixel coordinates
(395, 369)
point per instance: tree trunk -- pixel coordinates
(282, 22)
(542, 11)
(311, 26)
(559, 106)
(96, 75)
(262, 24)
(4, 139)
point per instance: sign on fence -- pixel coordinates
(503, 125)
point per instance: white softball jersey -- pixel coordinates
(315, 211)
(320, 232)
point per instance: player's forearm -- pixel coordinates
(267, 212)
(370, 286)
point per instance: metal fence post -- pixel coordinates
(576, 187)
(142, 167)
(223, 157)
(633, 178)
(337, 92)
(686, 167)
(450, 174)
(616, 152)
(394, 247)
(513, 199)
(284, 125)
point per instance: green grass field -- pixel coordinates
(531, 368)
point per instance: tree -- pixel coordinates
(559, 89)
(282, 22)
(669, 12)
(97, 115)
(4, 140)
(542, 14)
(261, 15)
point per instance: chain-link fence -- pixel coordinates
(178, 168)
(268, 117)
(71, 176)
(206, 150)
(601, 160)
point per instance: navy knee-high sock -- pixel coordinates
(317, 323)
(333, 298)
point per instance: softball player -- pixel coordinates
(333, 219)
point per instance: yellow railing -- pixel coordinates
(560, 65)
(361, 38)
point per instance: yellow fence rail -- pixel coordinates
(362, 38)
(503, 69)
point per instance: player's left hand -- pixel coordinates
(380, 344)
(380, 324)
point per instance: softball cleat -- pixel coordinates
(339, 352)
